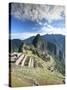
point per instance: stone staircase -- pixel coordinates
(24, 60)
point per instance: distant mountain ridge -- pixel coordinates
(14, 45)
(56, 39)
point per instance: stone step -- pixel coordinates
(31, 62)
(27, 61)
(19, 59)
(23, 61)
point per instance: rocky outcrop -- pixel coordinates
(40, 44)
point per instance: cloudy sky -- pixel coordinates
(30, 19)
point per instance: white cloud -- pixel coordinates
(40, 23)
(22, 36)
(53, 30)
(44, 30)
(37, 12)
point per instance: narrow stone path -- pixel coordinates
(29, 64)
(23, 61)
(32, 63)
(19, 59)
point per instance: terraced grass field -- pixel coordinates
(35, 76)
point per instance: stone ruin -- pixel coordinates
(24, 60)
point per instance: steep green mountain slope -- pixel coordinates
(39, 66)
(14, 45)
(43, 72)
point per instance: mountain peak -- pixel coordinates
(38, 35)
(39, 43)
